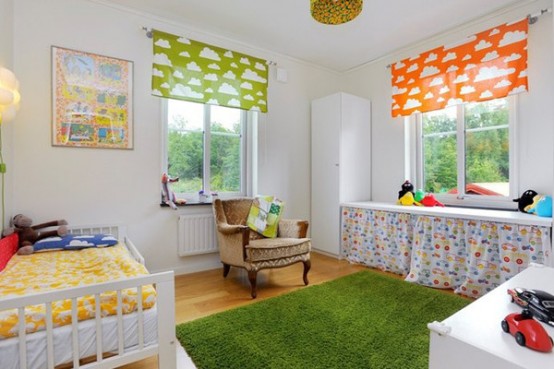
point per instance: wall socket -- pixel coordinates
(281, 75)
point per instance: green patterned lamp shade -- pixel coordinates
(335, 11)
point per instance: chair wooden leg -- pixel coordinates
(307, 266)
(226, 268)
(252, 277)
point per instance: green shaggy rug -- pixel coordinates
(364, 320)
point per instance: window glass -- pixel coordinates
(185, 145)
(225, 147)
(439, 150)
(487, 148)
(466, 149)
(205, 147)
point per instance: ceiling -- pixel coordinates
(286, 27)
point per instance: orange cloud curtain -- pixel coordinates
(488, 65)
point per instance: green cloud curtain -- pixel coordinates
(190, 70)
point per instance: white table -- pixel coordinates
(476, 339)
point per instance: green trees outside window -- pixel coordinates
(484, 147)
(205, 147)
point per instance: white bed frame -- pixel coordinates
(164, 348)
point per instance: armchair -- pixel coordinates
(243, 248)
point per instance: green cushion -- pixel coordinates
(265, 214)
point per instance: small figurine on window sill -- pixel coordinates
(542, 207)
(408, 200)
(202, 196)
(168, 196)
(407, 186)
(526, 200)
(429, 200)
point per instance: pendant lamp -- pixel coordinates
(335, 11)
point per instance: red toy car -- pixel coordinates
(527, 331)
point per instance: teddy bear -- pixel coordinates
(29, 234)
(168, 196)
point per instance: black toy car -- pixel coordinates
(540, 304)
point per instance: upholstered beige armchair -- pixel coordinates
(241, 247)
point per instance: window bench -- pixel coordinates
(469, 250)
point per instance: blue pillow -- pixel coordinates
(75, 242)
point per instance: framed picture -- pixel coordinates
(92, 100)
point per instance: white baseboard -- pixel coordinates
(195, 266)
(335, 256)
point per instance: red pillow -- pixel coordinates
(8, 247)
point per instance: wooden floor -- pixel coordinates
(201, 294)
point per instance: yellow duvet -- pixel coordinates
(46, 271)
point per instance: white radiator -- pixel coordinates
(196, 235)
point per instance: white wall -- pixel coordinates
(6, 32)
(6, 61)
(101, 186)
(535, 116)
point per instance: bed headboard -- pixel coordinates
(119, 231)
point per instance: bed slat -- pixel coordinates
(115, 231)
(166, 325)
(140, 318)
(133, 250)
(99, 334)
(120, 324)
(22, 338)
(74, 333)
(49, 336)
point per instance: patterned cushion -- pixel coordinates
(74, 242)
(8, 247)
(277, 248)
(264, 215)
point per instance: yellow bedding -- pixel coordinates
(46, 271)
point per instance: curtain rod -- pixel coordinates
(531, 18)
(148, 31)
(149, 34)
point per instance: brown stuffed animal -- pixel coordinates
(29, 234)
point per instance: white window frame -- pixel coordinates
(414, 161)
(248, 147)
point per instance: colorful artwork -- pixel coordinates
(470, 256)
(92, 100)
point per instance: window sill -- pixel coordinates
(188, 203)
(502, 216)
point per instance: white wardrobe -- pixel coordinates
(341, 163)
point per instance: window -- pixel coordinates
(206, 148)
(465, 153)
